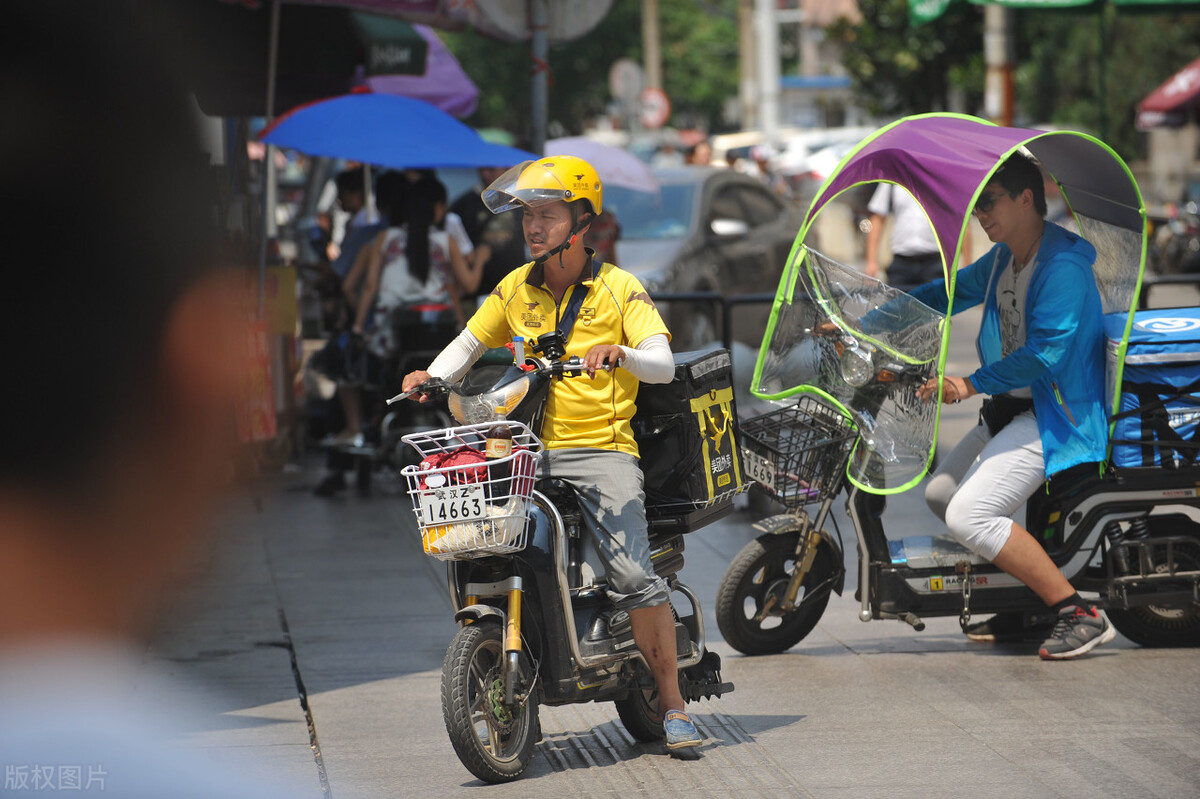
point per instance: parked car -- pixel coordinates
(705, 229)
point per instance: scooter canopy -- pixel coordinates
(944, 161)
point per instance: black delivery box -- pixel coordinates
(686, 432)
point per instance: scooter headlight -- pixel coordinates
(489, 406)
(858, 367)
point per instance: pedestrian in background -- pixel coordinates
(699, 154)
(364, 221)
(499, 239)
(915, 256)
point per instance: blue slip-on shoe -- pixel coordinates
(681, 732)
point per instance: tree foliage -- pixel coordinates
(1061, 56)
(898, 68)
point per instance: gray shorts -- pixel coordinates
(609, 485)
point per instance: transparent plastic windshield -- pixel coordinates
(1118, 258)
(866, 346)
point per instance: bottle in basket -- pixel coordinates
(498, 445)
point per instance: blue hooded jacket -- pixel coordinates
(1062, 359)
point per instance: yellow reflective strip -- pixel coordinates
(708, 469)
(712, 398)
(737, 460)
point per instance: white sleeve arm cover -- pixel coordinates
(459, 355)
(652, 361)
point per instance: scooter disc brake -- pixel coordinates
(773, 599)
(499, 713)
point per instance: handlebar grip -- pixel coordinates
(433, 386)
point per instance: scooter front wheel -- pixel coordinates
(754, 586)
(494, 740)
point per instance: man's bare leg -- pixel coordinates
(654, 633)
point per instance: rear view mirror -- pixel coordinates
(729, 227)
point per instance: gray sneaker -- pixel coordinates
(1009, 627)
(1079, 630)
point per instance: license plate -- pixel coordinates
(758, 468)
(453, 504)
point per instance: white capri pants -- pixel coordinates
(984, 481)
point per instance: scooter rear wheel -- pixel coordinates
(640, 712)
(1154, 625)
(758, 576)
(493, 740)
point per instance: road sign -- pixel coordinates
(626, 80)
(655, 108)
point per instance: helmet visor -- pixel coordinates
(529, 183)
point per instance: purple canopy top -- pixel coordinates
(945, 159)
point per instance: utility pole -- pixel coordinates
(539, 17)
(999, 54)
(747, 71)
(767, 31)
(651, 44)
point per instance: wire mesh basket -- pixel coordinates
(798, 454)
(467, 505)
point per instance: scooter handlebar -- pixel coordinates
(434, 386)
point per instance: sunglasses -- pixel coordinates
(987, 202)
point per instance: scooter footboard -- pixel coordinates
(899, 592)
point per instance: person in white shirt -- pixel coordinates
(915, 256)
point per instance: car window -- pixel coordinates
(761, 207)
(665, 214)
(725, 204)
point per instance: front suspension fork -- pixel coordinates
(806, 552)
(810, 539)
(513, 645)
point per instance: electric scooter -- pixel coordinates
(536, 624)
(842, 357)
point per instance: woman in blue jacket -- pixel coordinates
(1041, 347)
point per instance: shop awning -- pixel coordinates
(1169, 104)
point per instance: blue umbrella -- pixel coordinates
(387, 130)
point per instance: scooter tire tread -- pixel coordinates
(457, 712)
(731, 621)
(642, 719)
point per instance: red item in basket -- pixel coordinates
(462, 459)
(459, 458)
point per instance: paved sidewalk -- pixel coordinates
(855, 710)
(322, 626)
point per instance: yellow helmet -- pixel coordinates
(555, 177)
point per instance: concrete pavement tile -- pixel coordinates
(936, 765)
(940, 788)
(854, 710)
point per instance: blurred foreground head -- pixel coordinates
(119, 374)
